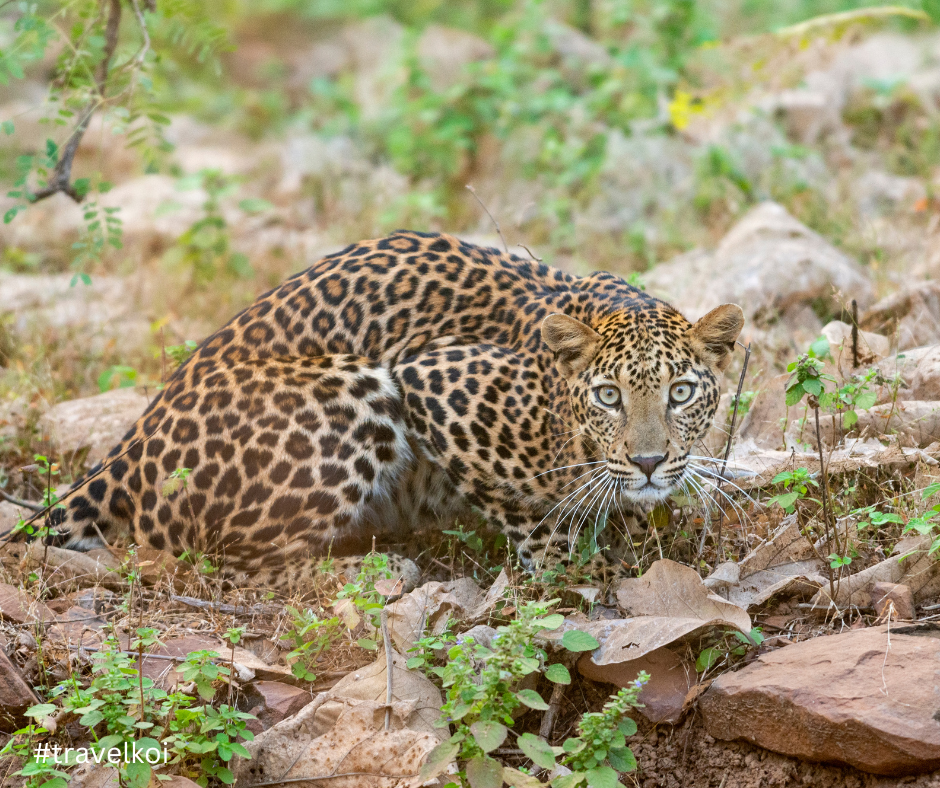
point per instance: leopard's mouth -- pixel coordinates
(646, 493)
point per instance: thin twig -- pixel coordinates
(386, 638)
(724, 459)
(139, 59)
(825, 495)
(537, 259)
(492, 218)
(330, 777)
(221, 607)
(854, 334)
(35, 507)
(548, 720)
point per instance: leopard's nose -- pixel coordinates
(647, 464)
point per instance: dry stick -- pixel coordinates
(386, 638)
(825, 495)
(536, 259)
(724, 460)
(35, 507)
(854, 334)
(60, 180)
(492, 218)
(554, 704)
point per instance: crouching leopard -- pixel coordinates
(413, 374)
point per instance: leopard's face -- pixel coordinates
(644, 387)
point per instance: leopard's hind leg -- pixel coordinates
(264, 466)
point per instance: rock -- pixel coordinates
(807, 115)
(96, 567)
(893, 601)
(19, 607)
(770, 264)
(877, 193)
(15, 697)
(10, 515)
(374, 49)
(101, 313)
(96, 423)
(911, 315)
(274, 701)
(579, 54)
(247, 665)
(911, 423)
(871, 347)
(851, 698)
(445, 52)
(663, 697)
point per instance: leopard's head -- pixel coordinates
(644, 385)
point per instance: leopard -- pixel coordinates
(413, 376)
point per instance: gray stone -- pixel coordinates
(769, 263)
(96, 423)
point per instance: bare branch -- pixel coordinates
(492, 218)
(145, 48)
(61, 178)
(36, 507)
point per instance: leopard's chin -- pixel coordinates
(647, 497)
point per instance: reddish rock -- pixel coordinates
(19, 607)
(272, 701)
(893, 600)
(16, 697)
(868, 698)
(664, 695)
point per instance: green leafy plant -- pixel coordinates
(731, 644)
(797, 485)
(928, 524)
(310, 636)
(600, 750)
(361, 598)
(481, 692)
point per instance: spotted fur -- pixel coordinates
(413, 373)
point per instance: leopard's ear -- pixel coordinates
(717, 332)
(573, 343)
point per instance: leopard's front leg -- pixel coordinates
(543, 543)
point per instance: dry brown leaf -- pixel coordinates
(427, 609)
(414, 696)
(357, 745)
(672, 590)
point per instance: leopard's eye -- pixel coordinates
(608, 395)
(681, 392)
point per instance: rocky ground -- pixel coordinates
(830, 679)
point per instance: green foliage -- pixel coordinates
(125, 376)
(179, 353)
(928, 524)
(426, 650)
(362, 597)
(854, 396)
(797, 484)
(122, 707)
(310, 636)
(480, 685)
(600, 750)
(205, 247)
(731, 644)
(807, 378)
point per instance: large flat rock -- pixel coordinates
(869, 698)
(96, 423)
